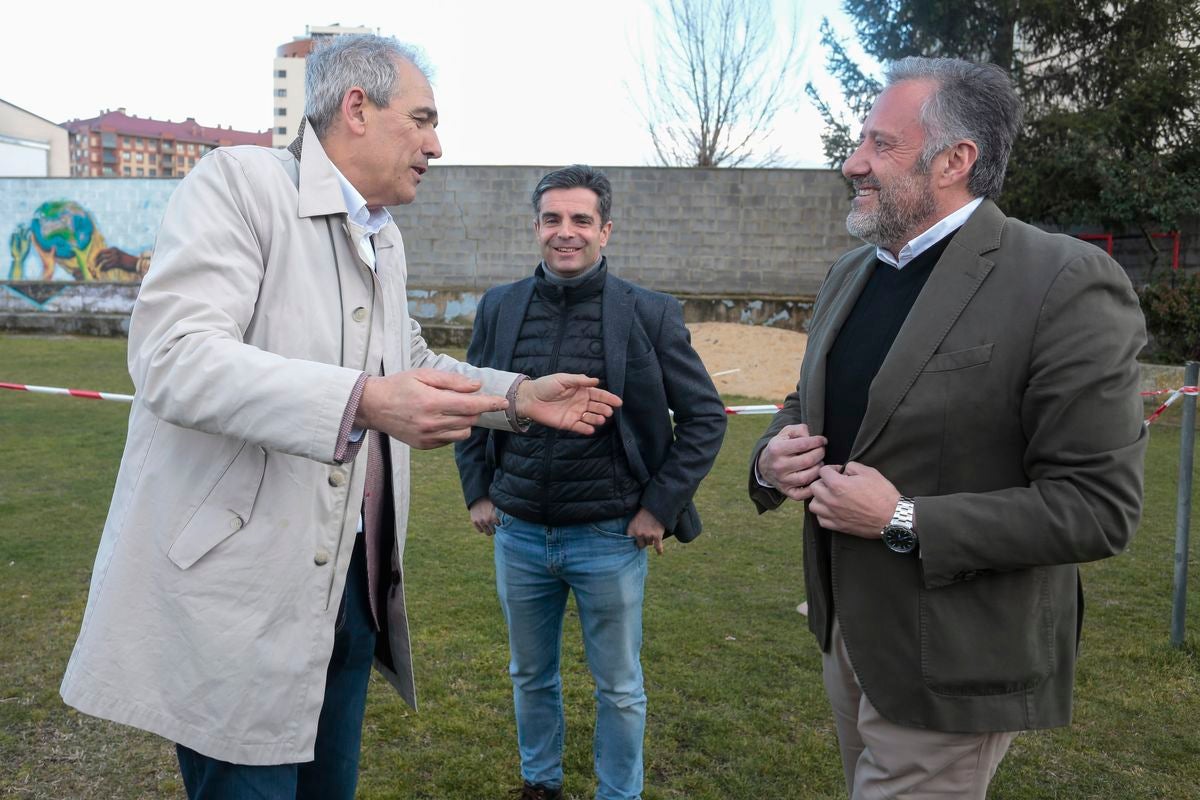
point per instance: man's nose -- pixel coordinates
(433, 145)
(856, 165)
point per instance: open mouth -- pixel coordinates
(567, 250)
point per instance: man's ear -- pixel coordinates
(960, 157)
(354, 103)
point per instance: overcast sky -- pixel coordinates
(517, 82)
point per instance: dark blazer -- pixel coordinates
(1008, 408)
(650, 364)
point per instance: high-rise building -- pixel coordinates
(115, 144)
(289, 78)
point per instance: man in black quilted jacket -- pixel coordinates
(578, 513)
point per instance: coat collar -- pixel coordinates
(320, 192)
(958, 275)
(320, 189)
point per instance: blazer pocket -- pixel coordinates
(959, 359)
(643, 361)
(987, 636)
(225, 509)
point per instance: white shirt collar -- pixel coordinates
(930, 237)
(356, 207)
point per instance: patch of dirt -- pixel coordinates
(750, 360)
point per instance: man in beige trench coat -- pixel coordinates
(250, 567)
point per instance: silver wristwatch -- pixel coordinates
(898, 534)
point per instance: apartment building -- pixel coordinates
(116, 144)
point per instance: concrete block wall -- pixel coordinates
(735, 232)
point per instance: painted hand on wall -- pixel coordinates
(18, 246)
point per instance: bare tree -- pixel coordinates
(716, 83)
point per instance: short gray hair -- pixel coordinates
(970, 101)
(363, 60)
(579, 176)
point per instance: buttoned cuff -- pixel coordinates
(350, 439)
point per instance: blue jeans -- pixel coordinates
(536, 567)
(333, 774)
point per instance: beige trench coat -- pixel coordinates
(210, 616)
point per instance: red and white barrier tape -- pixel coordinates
(85, 394)
(731, 410)
(770, 409)
(1175, 395)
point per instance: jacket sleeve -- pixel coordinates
(764, 497)
(471, 454)
(1082, 417)
(187, 357)
(699, 420)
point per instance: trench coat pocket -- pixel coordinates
(225, 509)
(959, 359)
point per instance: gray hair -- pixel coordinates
(341, 62)
(971, 101)
(577, 176)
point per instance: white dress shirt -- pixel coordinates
(935, 234)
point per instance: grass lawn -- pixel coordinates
(737, 709)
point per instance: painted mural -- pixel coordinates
(62, 242)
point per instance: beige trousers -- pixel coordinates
(886, 761)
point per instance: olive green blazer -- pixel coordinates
(1008, 407)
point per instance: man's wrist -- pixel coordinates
(515, 420)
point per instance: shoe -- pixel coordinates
(536, 791)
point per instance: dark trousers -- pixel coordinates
(333, 774)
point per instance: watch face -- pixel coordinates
(901, 540)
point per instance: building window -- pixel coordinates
(125, 141)
(140, 143)
(125, 171)
(153, 172)
(153, 158)
(124, 155)
(139, 157)
(108, 172)
(281, 73)
(281, 92)
(281, 131)
(281, 112)
(141, 172)
(110, 139)
(191, 148)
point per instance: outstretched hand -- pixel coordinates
(569, 402)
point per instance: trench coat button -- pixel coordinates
(337, 477)
(395, 577)
(236, 523)
(321, 558)
(359, 314)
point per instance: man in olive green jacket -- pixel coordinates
(966, 429)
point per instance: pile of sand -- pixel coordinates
(750, 360)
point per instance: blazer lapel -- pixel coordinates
(822, 337)
(616, 321)
(957, 276)
(509, 317)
